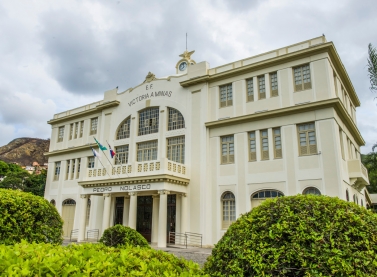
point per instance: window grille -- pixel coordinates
(147, 151)
(227, 149)
(274, 84)
(250, 89)
(124, 129)
(308, 144)
(69, 202)
(71, 131)
(262, 87)
(252, 147)
(121, 156)
(175, 120)
(57, 171)
(264, 144)
(73, 168)
(81, 128)
(176, 149)
(263, 194)
(68, 167)
(148, 121)
(311, 190)
(91, 162)
(226, 95)
(229, 209)
(93, 126)
(302, 77)
(61, 134)
(78, 168)
(277, 143)
(76, 129)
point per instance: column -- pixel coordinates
(155, 207)
(162, 218)
(126, 210)
(82, 221)
(184, 213)
(133, 210)
(178, 212)
(106, 212)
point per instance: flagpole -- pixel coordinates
(112, 167)
(100, 162)
(116, 157)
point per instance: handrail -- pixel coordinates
(186, 238)
(194, 238)
(94, 234)
(73, 232)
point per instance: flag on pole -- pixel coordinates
(112, 153)
(100, 145)
(95, 153)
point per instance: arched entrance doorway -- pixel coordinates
(68, 216)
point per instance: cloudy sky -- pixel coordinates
(58, 55)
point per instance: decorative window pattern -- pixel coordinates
(263, 194)
(176, 149)
(229, 209)
(226, 95)
(252, 147)
(68, 167)
(302, 77)
(57, 171)
(121, 156)
(308, 143)
(124, 129)
(274, 84)
(69, 202)
(71, 127)
(311, 190)
(91, 162)
(61, 134)
(264, 144)
(261, 87)
(148, 121)
(277, 143)
(78, 168)
(93, 126)
(81, 129)
(147, 151)
(175, 120)
(250, 89)
(227, 149)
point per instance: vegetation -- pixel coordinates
(372, 67)
(303, 235)
(370, 162)
(90, 260)
(24, 216)
(120, 235)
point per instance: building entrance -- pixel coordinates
(144, 216)
(119, 208)
(171, 216)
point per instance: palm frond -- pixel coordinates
(372, 67)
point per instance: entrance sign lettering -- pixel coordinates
(135, 187)
(150, 95)
(122, 188)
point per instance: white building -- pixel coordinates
(204, 145)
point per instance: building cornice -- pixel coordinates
(307, 52)
(330, 103)
(94, 110)
(136, 180)
(69, 150)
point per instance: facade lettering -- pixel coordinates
(152, 94)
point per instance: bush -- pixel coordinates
(28, 217)
(90, 260)
(120, 235)
(299, 236)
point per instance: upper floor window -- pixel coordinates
(274, 84)
(341, 143)
(175, 120)
(71, 127)
(91, 162)
(252, 147)
(311, 190)
(229, 209)
(302, 77)
(124, 129)
(93, 126)
(122, 154)
(78, 168)
(57, 171)
(147, 151)
(61, 134)
(148, 121)
(68, 167)
(308, 143)
(264, 144)
(81, 128)
(250, 89)
(263, 194)
(277, 143)
(262, 87)
(76, 129)
(227, 149)
(226, 95)
(176, 149)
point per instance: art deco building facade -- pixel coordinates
(204, 145)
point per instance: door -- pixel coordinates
(171, 217)
(68, 216)
(119, 208)
(144, 216)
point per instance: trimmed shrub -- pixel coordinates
(120, 235)
(303, 235)
(90, 260)
(24, 216)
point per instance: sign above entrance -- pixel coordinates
(149, 95)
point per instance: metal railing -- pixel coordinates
(74, 234)
(92, 234)
(187, 238)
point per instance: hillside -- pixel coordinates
(25, 151)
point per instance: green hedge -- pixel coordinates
(120, 235)
(299, 236)
(90, 260)
(28, 217)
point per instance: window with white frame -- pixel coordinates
(302, 77)
(148, 121)
(76, 129)
(57, 171)
(278, 153)
(226, 95)
(93, 126)
(78, 168)
(261, 87)
(121, 156)
(175, 120)
(147, 151)
(250, 89)
(228, 209)
(60, 134)
(68, 167)
(252, 147)
(264, 144)
(274, 84)
(71, 127)
(311, 190)
(307, 140)
(81, 129)
(91, 162)
(124, 129)
(227, 149)
(176, 149)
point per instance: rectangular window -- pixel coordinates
(250, 89)
(73, 168)
(121, 156)
(261, 87)
(57, 171)
(61, 134)
(93, 126)
(91, 162)
(78, 168)
(252, 147)
(274, 84)
(277, 143)
(148, 121)
(176, 149)
(341, 143)
(264, 144)
(308, 143)
(68, 167)
(81, 128)
(226, 95)
(71, 131)
(76, 129)
(147, 151)
(302, 77)
(227, 149)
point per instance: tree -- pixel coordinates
(372, 68)
(4, 168)
(370, 162)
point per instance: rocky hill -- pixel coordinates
(25, 151)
